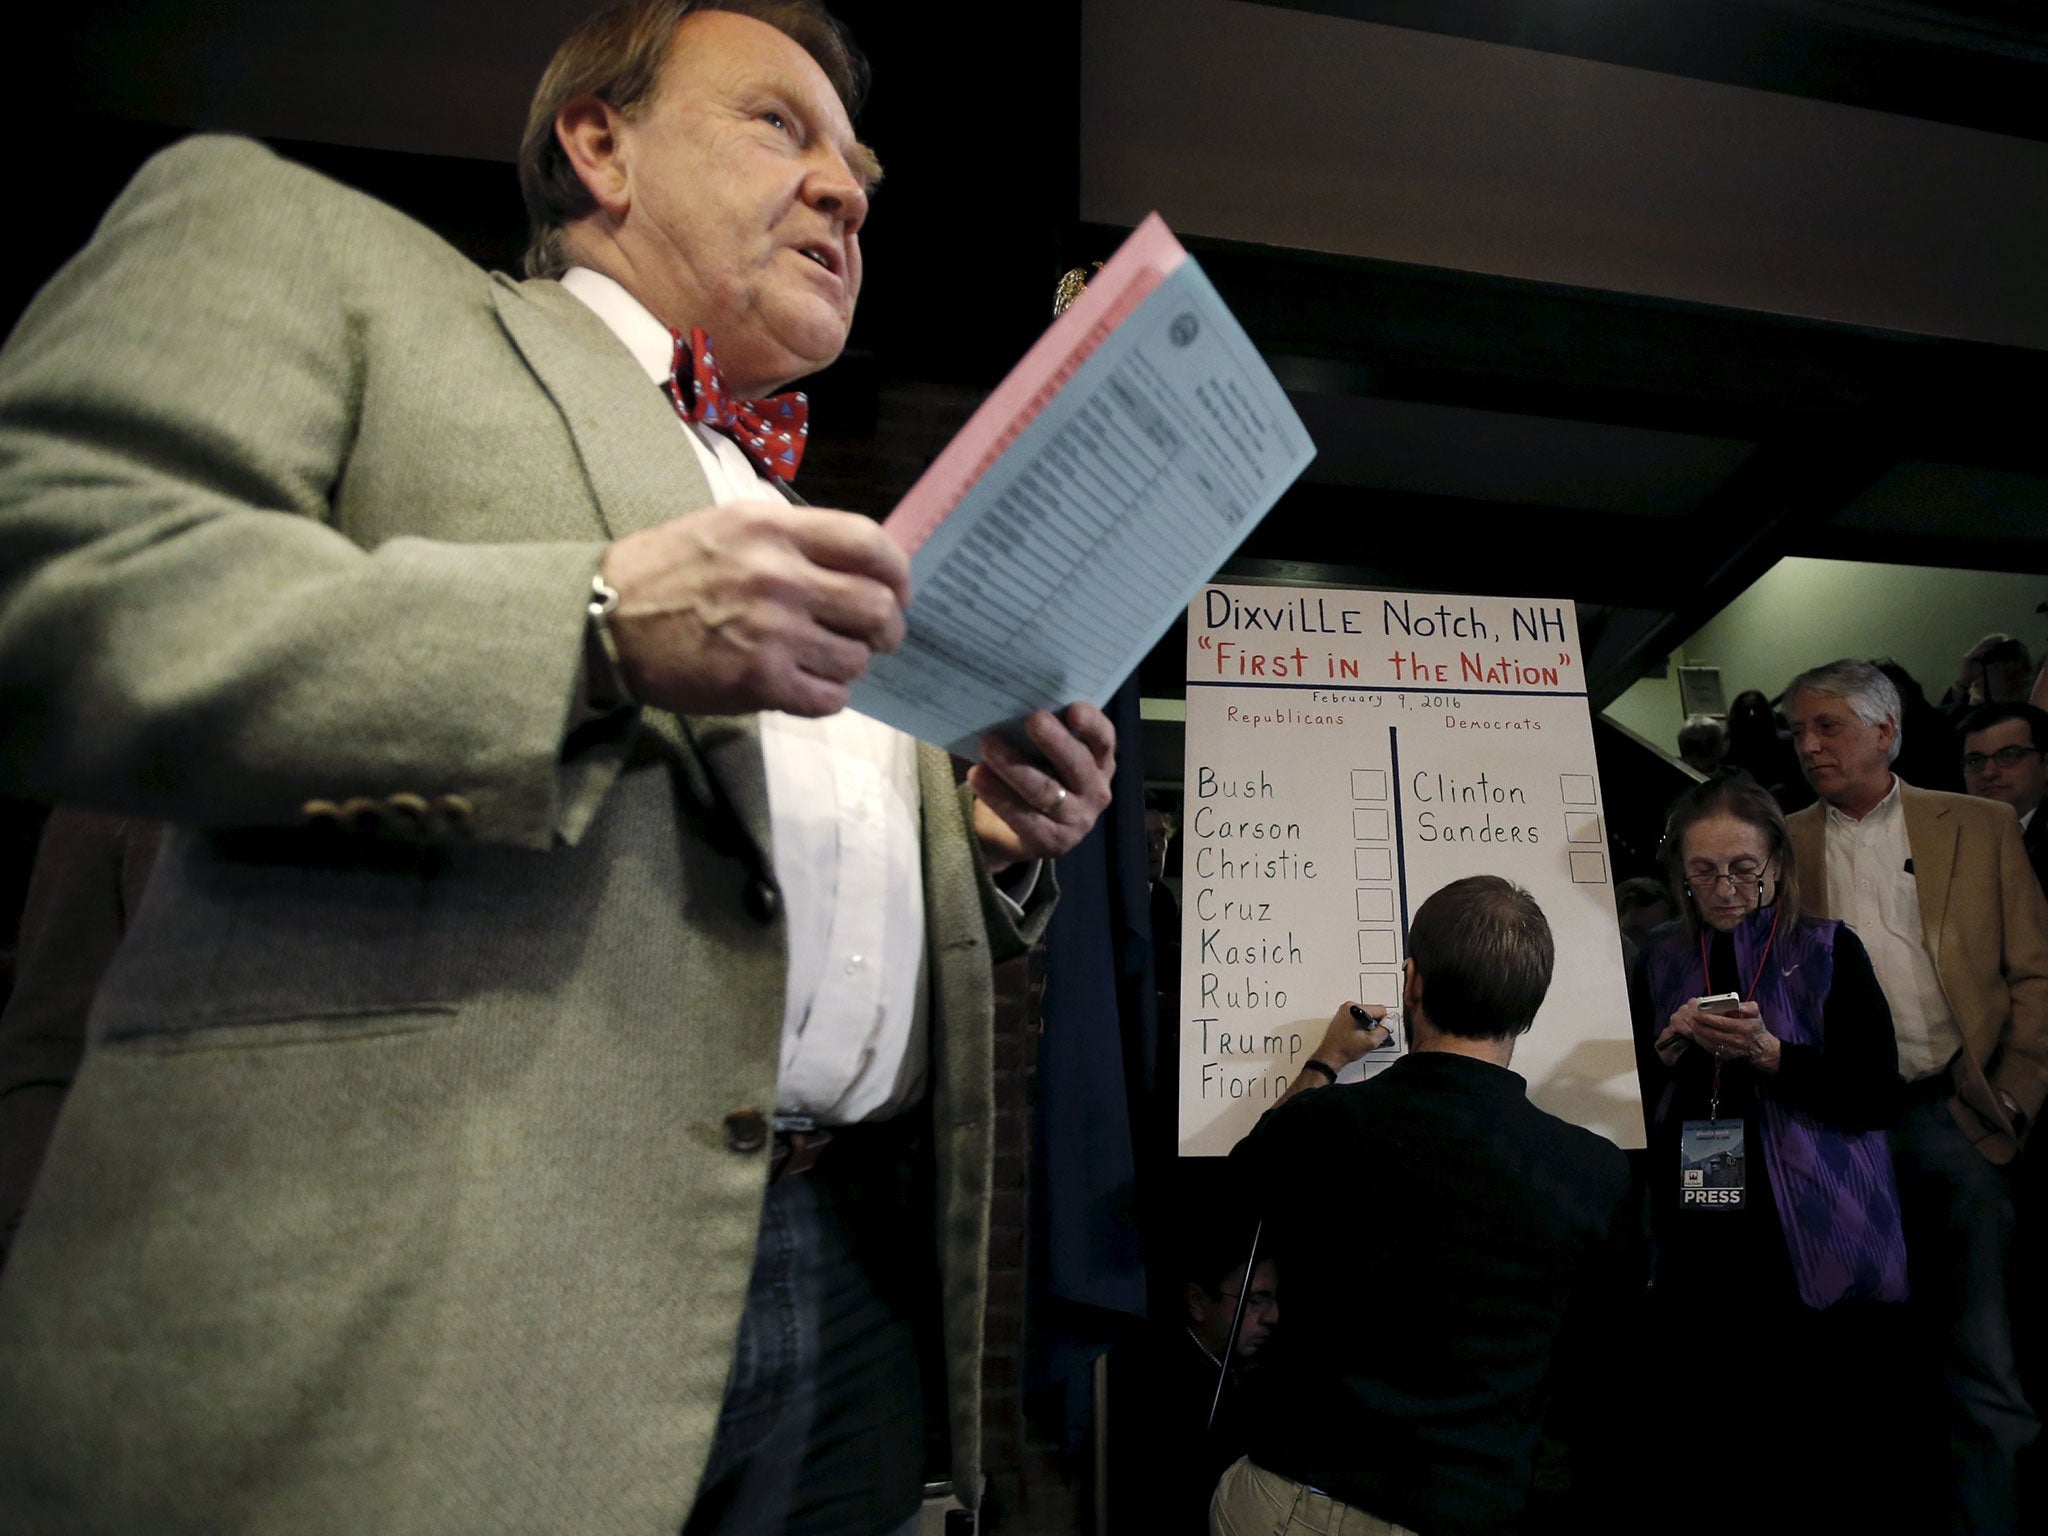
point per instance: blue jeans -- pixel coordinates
(1958, 1212)
(821, 1432)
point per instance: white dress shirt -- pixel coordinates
(844, 813)
(1871, 889)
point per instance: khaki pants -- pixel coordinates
(1250, 1501)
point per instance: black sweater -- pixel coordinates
(1432, 1229)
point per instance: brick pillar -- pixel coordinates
(1020, 984)
(1030, 1491)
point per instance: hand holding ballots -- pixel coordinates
(1071, 521)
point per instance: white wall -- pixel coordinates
(1804, 612)
(1650, 709)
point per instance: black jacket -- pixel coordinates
(1431, 1229)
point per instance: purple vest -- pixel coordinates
(1837, 1199)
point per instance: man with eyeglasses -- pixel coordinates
(1938, 888)
(2005, 757)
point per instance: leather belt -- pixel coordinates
(796, 1152)
(862, 1149)
(1935, 1088)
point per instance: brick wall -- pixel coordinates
(1029, 1491)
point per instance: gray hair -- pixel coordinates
(1702, 730)
(1862, 687)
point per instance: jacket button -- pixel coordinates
(763, 900)
(456, 813)
(746, 1130)
(409, 810)
(363, 815)
(323, 813)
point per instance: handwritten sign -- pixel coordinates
(1348, 754)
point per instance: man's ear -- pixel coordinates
(1411, 989)
(1197, 1301)
(591, 134)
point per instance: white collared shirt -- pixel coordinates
(1871, 889)
(843, 808)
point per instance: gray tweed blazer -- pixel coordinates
(409, 1182)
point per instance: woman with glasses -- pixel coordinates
(1769, 1073)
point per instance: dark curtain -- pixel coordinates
(1097, 1086)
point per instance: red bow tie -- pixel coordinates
(769, 431)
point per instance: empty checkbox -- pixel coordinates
(1381, 987)
(1369, 826)
(1377, 946)
(1375, 904)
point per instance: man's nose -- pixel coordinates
(833, 188)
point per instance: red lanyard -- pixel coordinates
(1707, 983)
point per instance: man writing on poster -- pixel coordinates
(1407, 1388)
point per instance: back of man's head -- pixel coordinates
(1482, 950)
(1702, 741)
(618, 56)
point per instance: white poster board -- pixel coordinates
(1348, 753)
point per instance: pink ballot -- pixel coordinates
(1138, 266)
(1065, 528)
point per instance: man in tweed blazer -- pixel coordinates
(1939, 889)
(413, 1178)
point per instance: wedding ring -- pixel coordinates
(1059, 798)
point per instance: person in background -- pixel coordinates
(1770, 1178)
(2003, 759)
(1757, 745)
(1939, 889)
(1166, 1449)
(1643, 905)
(1435, 1229)
(1928, 745)
(1996, 670)
(1701, 741)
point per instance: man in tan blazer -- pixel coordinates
(1939, 889)
(510, 930)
